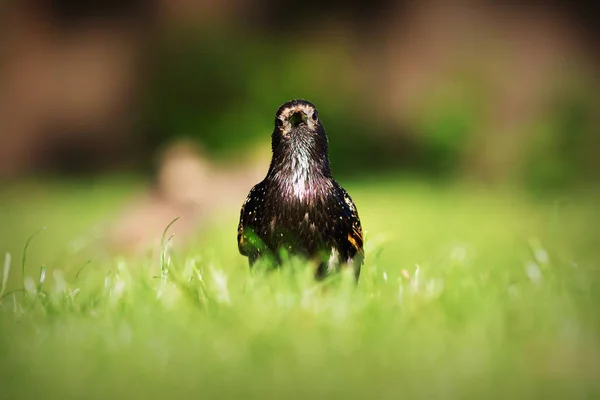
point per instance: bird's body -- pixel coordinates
(299, 207)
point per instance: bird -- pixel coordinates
(298, 208)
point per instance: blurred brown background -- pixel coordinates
(473, 88)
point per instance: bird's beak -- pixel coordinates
(298, 118)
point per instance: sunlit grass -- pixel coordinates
(464, 293)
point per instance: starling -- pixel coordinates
(299, 207)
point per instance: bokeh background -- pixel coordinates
(467, 133)
(171, 102)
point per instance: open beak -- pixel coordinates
(298, 118)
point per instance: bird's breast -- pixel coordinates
(300, 211)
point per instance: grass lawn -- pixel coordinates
(465, 293)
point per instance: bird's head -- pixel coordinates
(297, 126)
(297, 116)
(299, 141)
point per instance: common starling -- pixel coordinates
(299, 207)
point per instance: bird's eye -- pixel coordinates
(278, 122)
(315, 115)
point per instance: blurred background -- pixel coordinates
(173, 101)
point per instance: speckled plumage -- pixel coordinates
(299, 206)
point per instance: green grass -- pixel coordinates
(465, 293)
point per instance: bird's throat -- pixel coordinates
(300, 174)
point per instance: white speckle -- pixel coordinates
(533, 272)
(42, 275)
(541, 256)
(385, 277)
(333, 259)
(119, 288)
(415, 281)
(434, 287)
(59, 281)
(400, 292)
(30, 285)
(220, 280)
(458, 254)
(349, 202)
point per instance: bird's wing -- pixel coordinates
(248, 219)
(352, 229)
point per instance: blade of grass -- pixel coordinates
(81, 269)
(5, 273)
(163, 246)
(24, 259)
(38, 291)
(11, 292)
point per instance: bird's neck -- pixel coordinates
(300, 173)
